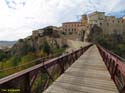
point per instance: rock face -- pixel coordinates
(35, 42)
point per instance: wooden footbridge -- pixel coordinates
(90, 69)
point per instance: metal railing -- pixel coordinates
(117, 56)
(37, 78)
(115, 67)
(26, 65)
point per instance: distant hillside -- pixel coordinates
(7, 43)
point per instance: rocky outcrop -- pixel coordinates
(34, 43)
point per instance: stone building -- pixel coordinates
(38, 32)
(84, 22)
(71, 27)
(49, 30)
(83, 29)
(109, 24)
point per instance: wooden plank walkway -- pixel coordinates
(87, 75)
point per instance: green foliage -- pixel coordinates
(15, 60)
(27, 58)
(58, 50)
(120, 50)
(102, 41)
(21, 48)
(26, 48)
(46, 48)
(2, 55)
(112, 43)
(2, 74)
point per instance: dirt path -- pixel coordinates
(74, 45)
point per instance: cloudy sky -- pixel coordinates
(19, 17)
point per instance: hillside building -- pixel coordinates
(71, 27)
(109, 24)
(49, 30)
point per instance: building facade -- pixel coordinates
(71, 27)
(49, 30)
(109, 24)
(83, 23)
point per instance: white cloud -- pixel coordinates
(19, 17)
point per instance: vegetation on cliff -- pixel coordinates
(114, 42)
(22, 54)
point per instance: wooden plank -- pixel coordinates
(87, 75)
(91, 74)
(70, 88)
(88, 82)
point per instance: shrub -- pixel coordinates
(46, 48)
(2, 55)
(15, 60)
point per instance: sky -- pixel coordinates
(18, 18)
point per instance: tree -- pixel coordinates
(103, 42)
(46, 48)
(120, 50)
(2, 55)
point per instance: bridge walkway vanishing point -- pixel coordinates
(87, 75)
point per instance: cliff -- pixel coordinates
(36, 42)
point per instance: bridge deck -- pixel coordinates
(87, 75)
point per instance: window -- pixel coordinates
(69, 30)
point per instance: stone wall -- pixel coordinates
(109, 24)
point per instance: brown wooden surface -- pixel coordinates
(87, 75)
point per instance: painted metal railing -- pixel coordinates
(117, 56)
(18, 68)
(37, 78)
(115, 67)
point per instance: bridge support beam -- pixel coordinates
(27, 88)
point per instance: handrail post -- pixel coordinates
(27, 88)
(123, 89)
(61, 66)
